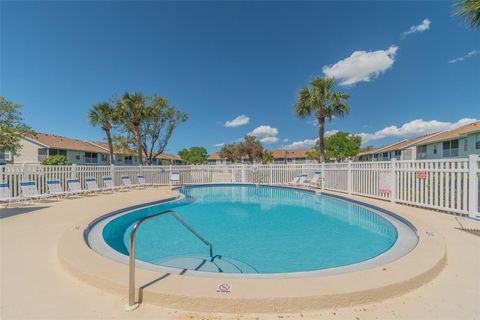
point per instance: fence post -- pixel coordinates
(74, 170)
(271, 174)
(112, 171)
(393, 180)
(322, 180)
(349, 177)
(244, 176)
(473, 184)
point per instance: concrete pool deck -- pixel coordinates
(35, 285)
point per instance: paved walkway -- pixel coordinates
(35, 286)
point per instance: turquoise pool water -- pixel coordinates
(255, 229)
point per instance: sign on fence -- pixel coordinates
(385, 182)
(421, 175)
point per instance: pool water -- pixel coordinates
(255, 229)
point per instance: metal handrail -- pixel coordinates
(131, 275)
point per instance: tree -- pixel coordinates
(267, 157)
(470, 10)
(56, 160)
(230, 152)
(339, 146)
(12, 127)
(104, 114)
(320, 100)
(132, 112)
(251, 149)
(194, 155)
(147, 124)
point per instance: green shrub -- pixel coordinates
(57, 160)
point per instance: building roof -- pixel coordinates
(125, 151)
(452, 134)
(399, 145)
(59, 142)
(277, 154)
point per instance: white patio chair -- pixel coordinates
(108, 184)
(55, 189)
(295, 180)
(302, 180)
(141, 183)
(75, 187)
(127, 183)
(314, 182)
(92, 185)
(29, 191)
(6, 195)
(175, 178)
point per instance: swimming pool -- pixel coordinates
(256, 230)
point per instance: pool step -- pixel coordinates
(217, 264)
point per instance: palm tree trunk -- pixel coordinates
(139, 145)
(321, 133)
(110, 146)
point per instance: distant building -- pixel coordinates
(38, 148)
(280, 156)
(459, 142)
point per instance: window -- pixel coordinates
(422, 152)
(42, 154)
(77, 157)
(450, 148)
(477, 141)
(104, 158)
(435, 149)
(91, 157)
(385, 156)
(8, 156)
(465, 145)
(59, 152)
(398, 153)
(128, 160)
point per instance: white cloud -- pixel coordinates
(265, 134)
(238, 121)
(424, 26)
(361, 66)
(414, 128)
(468, 55)
(269, 140)
(303, 144)
(307, 143)
(221, 144)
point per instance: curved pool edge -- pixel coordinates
(406, 241)
(263, 295)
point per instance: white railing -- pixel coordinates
(449, 184)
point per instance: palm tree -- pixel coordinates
(104, 114)
(320, 100)
(470, 9)
(132, 111)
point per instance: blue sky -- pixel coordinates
(410, 67)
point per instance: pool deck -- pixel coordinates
(36, 285)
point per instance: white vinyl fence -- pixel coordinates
(449, 184)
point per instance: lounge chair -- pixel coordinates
(302, 180)
(127, 183)
(74, 186)
(175, 178)
(55, 189)
(108, 184)
(6, 195)
(295, 180)
(141, 181)
(92, 185)
(315, 180)
(29, 191)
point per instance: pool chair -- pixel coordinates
(30, 192)
(127, 183)
(54, 188)
(6, 195)
(141, 181)
(302, 180)
(295, 180)
(108, 184)
(175, 178)
(315, 180)
(74, 186)
(92, 185)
